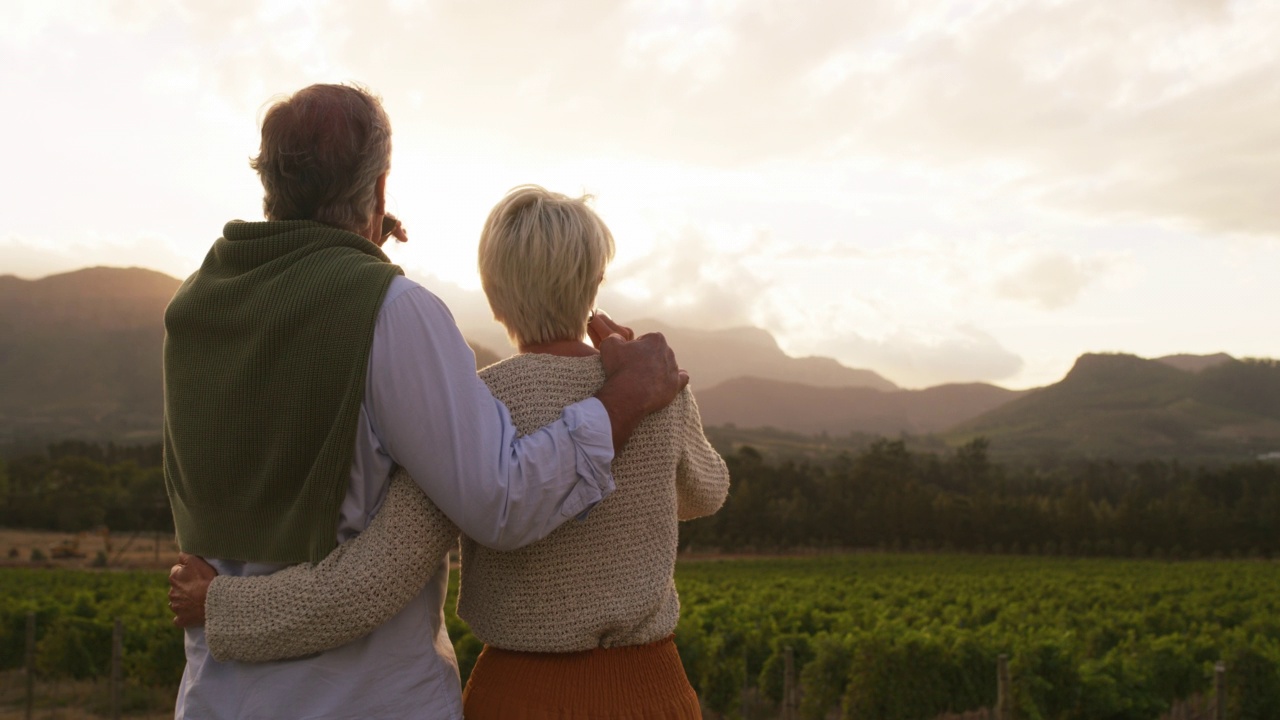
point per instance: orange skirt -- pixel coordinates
(640, 682)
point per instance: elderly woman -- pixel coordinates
(577, 625)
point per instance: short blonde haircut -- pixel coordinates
(542, 258)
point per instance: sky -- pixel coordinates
(937, 191)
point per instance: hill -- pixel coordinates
(801, 408)
(1195, 363)
(714, 356)
(80, 352)
(1116, 405)
(710, 356)
(80, 355)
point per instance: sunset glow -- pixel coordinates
(949, 191)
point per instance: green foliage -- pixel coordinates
(74, 647)
(902, 637)
(712, 651)
(466, 647)
(888, 497)
(1253, 671)
(75, 617)
(825, 676)
(915, 637)
(771, 680)
(81, 486)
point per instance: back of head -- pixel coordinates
(542, 258)
(323, 150)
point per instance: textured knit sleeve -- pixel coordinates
(306, 609)
(436, 419)
(702, 480)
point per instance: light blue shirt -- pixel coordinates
(424, 409)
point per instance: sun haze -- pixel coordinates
(951, 191)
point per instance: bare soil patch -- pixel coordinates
(87, 550)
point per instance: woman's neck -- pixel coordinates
(563, 348)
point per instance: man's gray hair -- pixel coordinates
(323, 150)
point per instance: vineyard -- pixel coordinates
(870, 636)
(914, 637)
(75, 613)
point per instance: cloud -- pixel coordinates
(683, 280)
(687, 281)
(695, 288)
(1142, 108)
(1135, 109)
(912, 359)
(33, 258)
(1050, 279)
(879, 143)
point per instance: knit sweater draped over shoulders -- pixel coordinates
(265, 352)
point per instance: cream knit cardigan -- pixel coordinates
(602, 581)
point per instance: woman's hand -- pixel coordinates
(601, 326)
(393, 228)
(188, 585)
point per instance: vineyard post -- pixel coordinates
(788, 683)
(1220, 691)
(117, 641)
(31, 664)
(1004, 704)
(745, 680)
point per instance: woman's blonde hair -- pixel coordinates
(542, 258)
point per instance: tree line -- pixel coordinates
(884, 496)
(77, 486)
(889, 497)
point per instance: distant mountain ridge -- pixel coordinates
(80, 352)
(80, 357)
(714, 356)
(1119, 405)
(795, 407)
(97, 298)
(1195, 363)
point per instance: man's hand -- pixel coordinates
(641, 376)
(188, 585)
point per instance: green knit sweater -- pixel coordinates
(265, 354)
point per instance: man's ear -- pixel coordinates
(380, 194)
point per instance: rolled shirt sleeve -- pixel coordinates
(435, 418)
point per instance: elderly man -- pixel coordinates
(302, 369)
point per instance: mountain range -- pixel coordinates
(714, 356)
(80, 356)
(1116, 405)
(802, 408)
(80, 353)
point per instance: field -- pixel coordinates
(872, 636)
(914, 637)
(131, 551)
